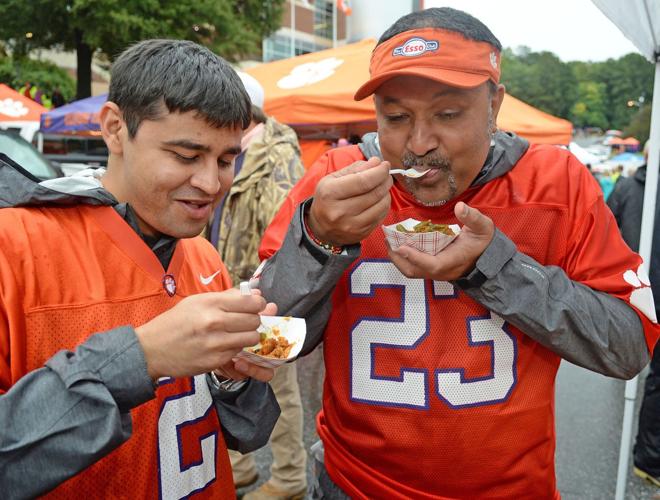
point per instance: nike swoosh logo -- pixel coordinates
(206, 281)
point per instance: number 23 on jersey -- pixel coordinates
(412, 388)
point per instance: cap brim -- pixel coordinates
(449, 77)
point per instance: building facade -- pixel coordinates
(312, 25)
(307, 26)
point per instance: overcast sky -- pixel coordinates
(575, 30)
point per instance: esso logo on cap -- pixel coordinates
(415, 47)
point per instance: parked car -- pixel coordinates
(73, 152)
(27, 156)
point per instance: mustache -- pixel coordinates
(429, 160)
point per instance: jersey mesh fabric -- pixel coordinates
(475, 434)
(429, 395)
(55, 299)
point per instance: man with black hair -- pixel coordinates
(440, 369)
(114, 326)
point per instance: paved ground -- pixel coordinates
(589, 411)
(310, 378)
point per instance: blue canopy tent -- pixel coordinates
(629, 162)
(78, 117)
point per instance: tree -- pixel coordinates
(589, 109)
(640, 126)
(626, 80)
(232, 28)
(605, 94)
(540, 79)
(45, 75)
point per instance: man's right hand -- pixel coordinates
(201, 333)
(350, 203)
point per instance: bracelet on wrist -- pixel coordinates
(333, 249)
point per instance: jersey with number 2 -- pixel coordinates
(100, 275)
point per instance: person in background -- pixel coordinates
(118, 333)
(33, 92)
(606, 183)
(440, 369)
(265, 170)
(57, 98)
(26, 90)
(626, 203)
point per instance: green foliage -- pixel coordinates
(604, 94)
(626, 79)
(540, 79)
(232, 28)
(589, 109)
(44, 75)
(640, 125)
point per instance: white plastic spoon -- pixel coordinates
(410, 172)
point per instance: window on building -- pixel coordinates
(323, 18)
(278, 46)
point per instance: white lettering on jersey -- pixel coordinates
(457, 391)
(178, 480)
(411, 388)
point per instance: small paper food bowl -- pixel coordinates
(292, 329)
(430, 242)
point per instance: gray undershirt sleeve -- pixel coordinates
(60, 419)
(301, 277)
(584, 326)
(248, 415)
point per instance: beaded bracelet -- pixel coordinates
(333, 249)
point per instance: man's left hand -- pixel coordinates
(455, 261)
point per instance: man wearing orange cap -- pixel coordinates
(440, 369)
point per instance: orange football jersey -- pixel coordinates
(71, 272)
(428, 394)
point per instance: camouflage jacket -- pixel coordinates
(270, 169)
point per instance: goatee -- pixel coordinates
(431, 160)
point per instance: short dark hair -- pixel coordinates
(444, 18)
(258, 114)
(181, 75)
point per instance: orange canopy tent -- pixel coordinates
(19, 112)
(313, 93)
(533, 124)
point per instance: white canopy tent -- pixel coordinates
(639, 21)
(583, 155)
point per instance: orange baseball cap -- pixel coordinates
(441, 55)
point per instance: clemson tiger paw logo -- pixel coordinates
(310, 73)
(13, 108)
(642, 296)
